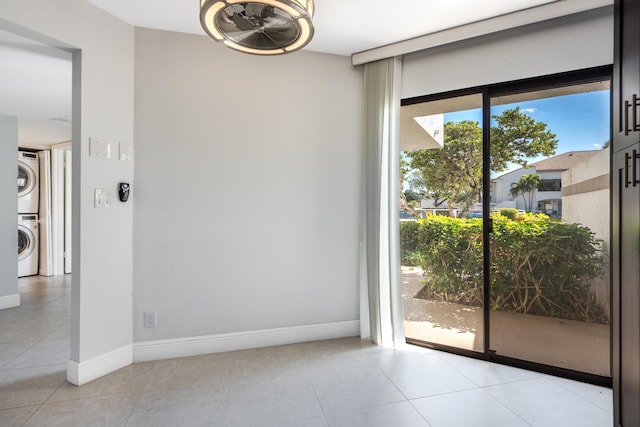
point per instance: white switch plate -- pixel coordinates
(104, 198)
(126, 152)
(99, 148)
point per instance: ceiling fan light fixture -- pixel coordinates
(243, 49)
(264, 27)
(305, 36)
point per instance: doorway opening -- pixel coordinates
(37, 93)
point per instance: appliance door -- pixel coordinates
(26, 179)
(26, 242)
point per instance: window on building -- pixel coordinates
(550, 185)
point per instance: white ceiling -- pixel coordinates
(35, 80)
(35, 83)
(342, 27)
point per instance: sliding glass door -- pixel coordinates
(549, 197)
(441, 221)
(505, 223)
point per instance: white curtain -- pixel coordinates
(381, 315)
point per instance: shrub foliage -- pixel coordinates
(538, 265)
(409, 243)
(510, 213)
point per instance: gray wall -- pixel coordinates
(247, 188)
(103, 49)
(8, 205)
(566, 44)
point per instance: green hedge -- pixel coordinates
(538, 265)
(510, 213)
(409, 243)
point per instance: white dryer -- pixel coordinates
(28, 182)
(27, 245)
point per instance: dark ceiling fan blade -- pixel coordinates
(242, 22)
(268, 12)
(253, 9)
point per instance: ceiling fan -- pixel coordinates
(264, 27)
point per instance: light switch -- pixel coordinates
(98, 198)
(99, 148)
(126, 152)
(110, 199)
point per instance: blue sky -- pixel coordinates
(580, 121)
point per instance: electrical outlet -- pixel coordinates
(150, 319)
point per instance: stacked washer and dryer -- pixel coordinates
(28, 202)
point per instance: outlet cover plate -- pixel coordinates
(150, 319)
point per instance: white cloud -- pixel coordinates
(530, 110)
(597, 145)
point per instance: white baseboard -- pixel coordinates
(9, 301)
(83, 372)
(195, 346)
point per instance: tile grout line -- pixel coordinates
(43, 403)
(559, 383)
(402, 393)
(535, 377)
(133, 406)
(506, 407)
(324, 413)
(3, 367)
(420, 413)
(32, 414)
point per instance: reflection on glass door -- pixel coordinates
(549, 277)
(441, 225)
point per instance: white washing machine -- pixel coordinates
(28, 182)
(27, 245)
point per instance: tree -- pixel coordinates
(527, 184)
(517, 137)
(454, 172)
(404, 171)
(412, 196)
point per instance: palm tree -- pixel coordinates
(526, 186)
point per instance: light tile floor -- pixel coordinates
(344, 382)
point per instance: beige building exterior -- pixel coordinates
(585, 200)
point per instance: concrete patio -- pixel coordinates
(558, 342)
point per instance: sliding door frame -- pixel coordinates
(488, 92)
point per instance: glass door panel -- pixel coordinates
(550, 207)
(441, 221)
